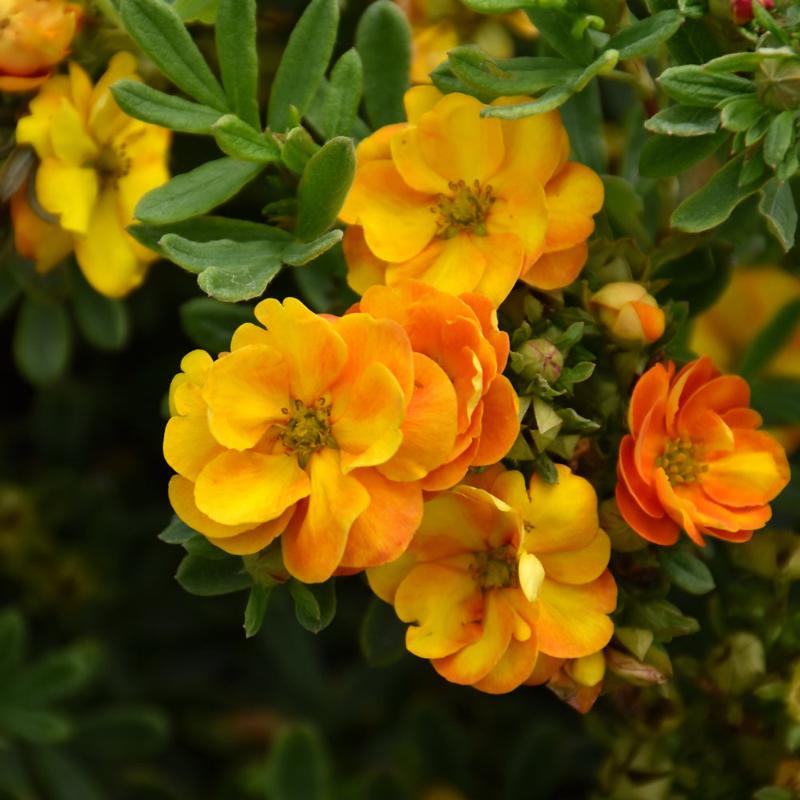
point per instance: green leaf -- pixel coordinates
(33, 725)
(304, 62)
(583, 119)
(211, 577)
(142, 102)
(210, 324)
(196, 192)
(314, 605)
(257, 602)
(343, 95)
(298, 147)
(159, 32)
(557, 28)
(558, 95)
(56, 676)
(714, 203)
(208, 229)
(770, 340)
(776, 399)
(383, 40)
(298, 766)
(778, 208)
(42, 341)
(686, 570)
(239, 140)
(299, 253)
(681, 120)
(741, 113)
(228, 271)
(696, 86)
(480, 72)
(779, 138)
(235, 31)
(664, 619)
(102, 320)
(382, 636)
(665, 156)
(122, 733)
(323, 187)
(177, 532)
(646, 35)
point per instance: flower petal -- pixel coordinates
(70, 192)
(364, 268)
(513, 669)
(241, 487)
(659, 530)
(520, 208)
(573, 620)
(574, 195)
(578, 566)
(315, 541)
(257, 539)
(445, 606)
(501, 410)
(556, 269)
(189, 445)
(382, 532)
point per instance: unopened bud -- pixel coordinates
(587, 670)
(742, 10)
(541, 357)
(630, 314)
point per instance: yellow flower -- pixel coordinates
(35, 35)
(631, 315)
(494, 578)
(467, 203)
(95, 164)
(299, 432)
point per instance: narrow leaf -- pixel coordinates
(383, 40)
(177, 532)
(646, 35)
(304, 62)
(142, 102)
(695, 86)
(298, 253)
(771, 339)
(238, 57)
(323, 187)
(196, 192)
(102, 320)
(42, 341)
(664, 156)
(158, 30)
(686, 570)
(343, 96)
(239, 140)
(777, 206)
(779, 138)
(557, 27)
(211, 577)
(257, 603)
(680, 120)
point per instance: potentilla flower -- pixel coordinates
(467, 203)
(694, 459)
(299, 431)
(461, 354)
(95, 165)
(488, 583)
(629, 312)
(34, 36)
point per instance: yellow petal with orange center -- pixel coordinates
(574, 195)
(315, 542)
(257, 539)
(366, 419)
(429, 426)
(478, 659)
(383, 531)
(556, 269)
(189, 445)
(512, 669)
(501, 412)
(504, 259)
(315, 354)
(397, 220)
(106, 254)
(71, 192)
(385, 579)
(520, 207)
(247, 391)
(42, 242)
(240, 487)
(582, 565)
(573, 620)
(444, 605)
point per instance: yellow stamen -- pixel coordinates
(465, 210)
(496, 569)
(308, 429)
(681, 461)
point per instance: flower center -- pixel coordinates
(308, 429)
(112, 164)
(680, 461)
(466, 209)
(497, 568)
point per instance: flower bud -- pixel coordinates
(587, 670)
(34, 36)
(778, 82)
(541, 357)
(631, 314)
(742, 10)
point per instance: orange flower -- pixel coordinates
(694, 459)
(460, 354)
(34, 37)
(291, 433)
(488, 585)
(631, 315)
(469, 203)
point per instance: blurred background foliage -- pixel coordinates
(115, 683)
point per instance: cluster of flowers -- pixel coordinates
(374, 441)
